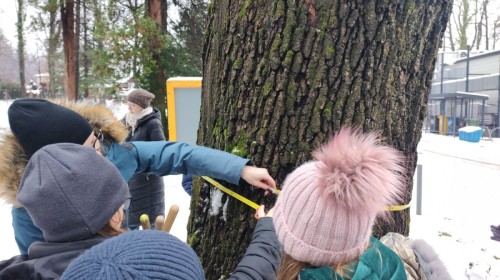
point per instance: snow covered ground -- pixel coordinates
(460, 200)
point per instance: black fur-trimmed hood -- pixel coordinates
(13, 160)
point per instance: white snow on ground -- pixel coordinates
(461, 199)
(461, 196)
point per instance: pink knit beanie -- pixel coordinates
(326, 210)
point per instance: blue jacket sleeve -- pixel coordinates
(167, 158)
(263, 256)
(25, 232)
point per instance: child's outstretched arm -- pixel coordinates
(167, 158)
(263, 256)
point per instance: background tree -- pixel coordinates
(156, 11)
(21, 16)
(85, 55)
(69, 45)
(9, 72)
(46, 19)
(280, 77)
(495, 35)
(190, 28)
(470, 24)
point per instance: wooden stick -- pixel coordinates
(145, 221)
(169, 221)
(160, 220)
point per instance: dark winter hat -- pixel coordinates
(140, 97)
(140, 254)
(38, 122)
(70, 191)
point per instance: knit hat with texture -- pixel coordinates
(140, 254)
(327, 207)
(37, 123)
(70, 191)
(140, 97)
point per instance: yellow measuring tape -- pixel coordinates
(275, 191)
(397, 207)
(232, 193)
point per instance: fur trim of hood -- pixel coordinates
(13, 161)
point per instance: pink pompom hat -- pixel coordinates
(326, 210)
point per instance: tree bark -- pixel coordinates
(86, 50)
(54, 43)
(77, 46)
(155, 9)
(21, 14)
(452, 42)
(486, 24)
(280, 77)
(68, 34)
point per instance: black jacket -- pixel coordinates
(263, 256)
(146, 190)
(45, 260)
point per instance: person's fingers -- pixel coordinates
(270, 181)
(261, 185)
(259, 177)
(260, 212)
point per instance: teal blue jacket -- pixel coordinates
(156, 157)
(377, 263)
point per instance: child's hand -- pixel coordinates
(258, 177)
(260, 212)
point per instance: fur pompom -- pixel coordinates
(359, 172)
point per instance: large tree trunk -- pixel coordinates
(280, 77)
(69, 41)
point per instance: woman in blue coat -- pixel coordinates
(35, 123)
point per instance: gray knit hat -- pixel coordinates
(140, 97)
(138, 254)
(70, 191)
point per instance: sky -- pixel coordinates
(460, 200)
(8, 20)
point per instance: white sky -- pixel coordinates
(8, 20)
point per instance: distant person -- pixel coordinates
(153, 254)
(147, 190)
(76, 198)
(36, 123)
(6, 95)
